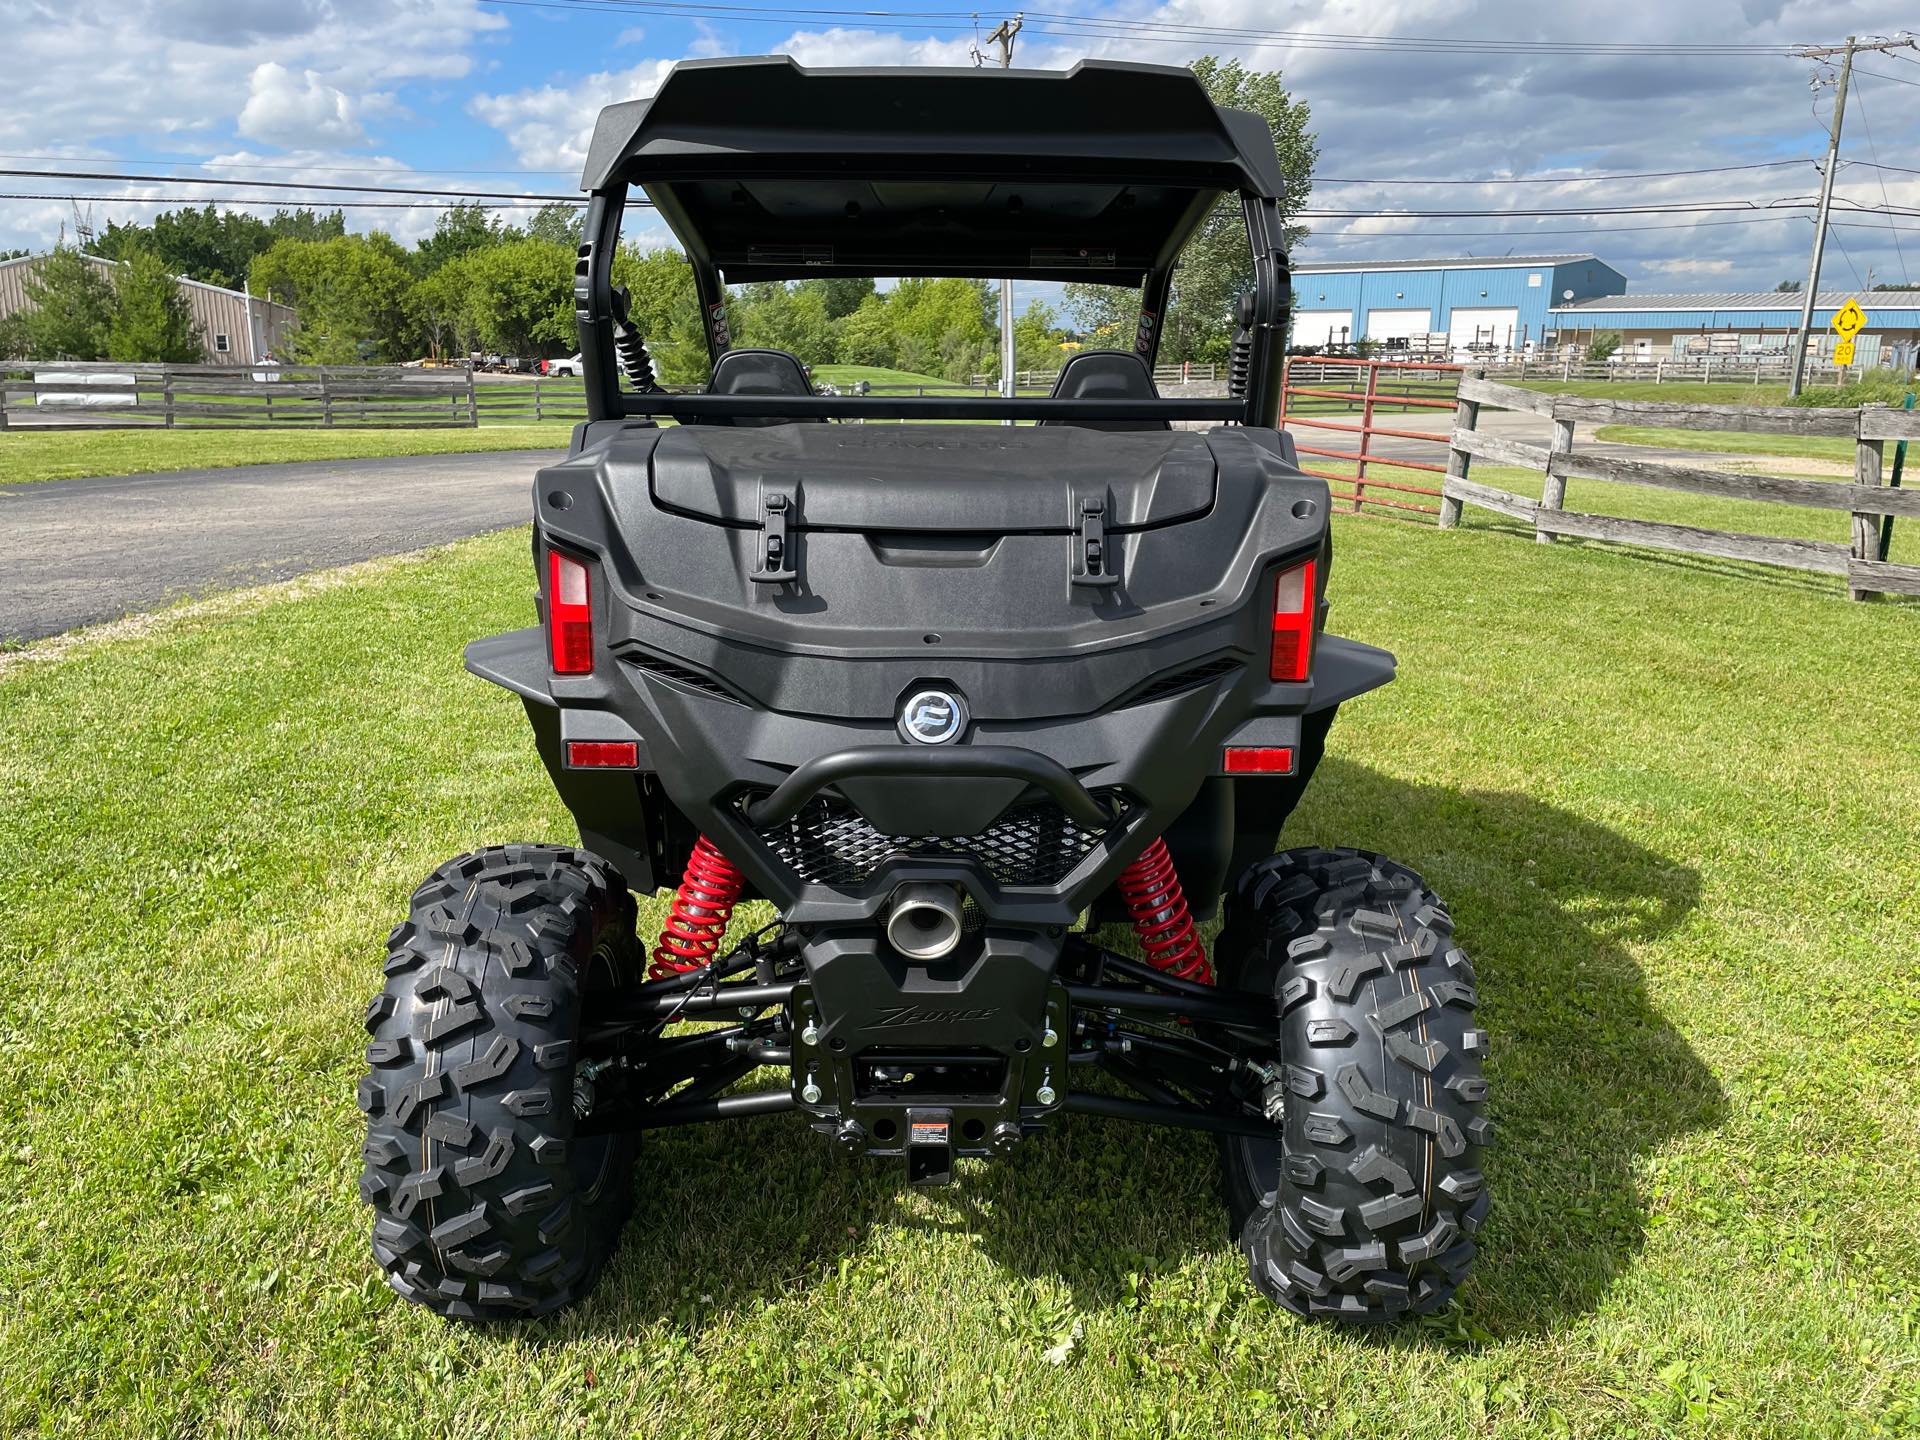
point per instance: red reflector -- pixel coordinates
(603, 755)
(1293, 602)
(1259, 760)
(569, 615)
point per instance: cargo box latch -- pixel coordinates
(776, 545)
(1090, 557)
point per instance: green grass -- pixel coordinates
(1679, 392)
(1667, 806)
(875, 375)
(27, 456)
(1812, 447)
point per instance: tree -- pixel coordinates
(941, 326)
(460, 230)
(558, 223)
(350, 292)
(772, 316)
(151, 320)
(841, 296)
(1788, 287)
(1602, 344)
(1217, 264)
(216, 246)
(1036, 339)
(438, 308)
(665, 310)
(866, 336)
(69, 308)
(520, 295)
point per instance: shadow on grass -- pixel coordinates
(1588, 1080)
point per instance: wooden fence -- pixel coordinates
(106, 395)
(1867, 498)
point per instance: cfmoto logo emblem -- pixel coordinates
(933, 717)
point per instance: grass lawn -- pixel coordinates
(875, 375)
(1668, 807)
(26, 456)
(1814, 447)
(1678, 392)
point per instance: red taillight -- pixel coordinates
(603, 755)
(1258, 760)
(569, 615)
(1293, 602)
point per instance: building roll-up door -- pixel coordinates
(1398, 324)
(1484, 329)
(1323, 327)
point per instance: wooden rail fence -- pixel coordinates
(1866, 498)
(107, 395)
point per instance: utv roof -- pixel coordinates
(772, 170)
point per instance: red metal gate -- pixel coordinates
(1408, 386)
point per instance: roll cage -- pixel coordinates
(766, 170)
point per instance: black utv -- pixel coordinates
(960, 700)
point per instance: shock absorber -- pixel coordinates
(1157, 905)
(698, 917)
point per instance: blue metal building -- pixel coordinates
(1462, 305)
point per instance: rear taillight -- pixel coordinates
(1293, 602)
(569, 615)
(603, 755)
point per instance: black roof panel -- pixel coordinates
(772, 170)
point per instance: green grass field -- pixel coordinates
(875, 375)
(27, 457)
(1670, 810)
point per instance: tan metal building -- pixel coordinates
(234, 329)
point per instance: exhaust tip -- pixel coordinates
(923, 922)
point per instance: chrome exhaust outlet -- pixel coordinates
(923, 921)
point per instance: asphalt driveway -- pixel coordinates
(77, 552)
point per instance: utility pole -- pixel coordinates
(1002, 36)
(1812, 295)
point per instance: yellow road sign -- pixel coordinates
(1849, 320)
(1843, 353)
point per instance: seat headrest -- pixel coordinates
(1106, 375)
(758, 372)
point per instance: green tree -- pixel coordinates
(1036, 338)
(866, 336)
(773, 316)
(520, 294)
(558, 223)
(350, 293)
(1217, 263)
(1602, 344)
(69, 308)
(439, 307)
(842, 295)
(941, 326)
(151, 321)
(216, 246)
(459, 230)
(666, 310)
(1787, 287)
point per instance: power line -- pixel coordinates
(293, 185)
(1566, 179)
(264, 165)
(1896, 79)
(1885, 199)
(271, 200)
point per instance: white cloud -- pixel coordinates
(549, 126)
(287, 109)
(632, 35)
(1689, 267)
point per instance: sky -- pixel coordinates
(500, 95)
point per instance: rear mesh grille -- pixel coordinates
(831, 843)
(681, 675)
(1163, 685)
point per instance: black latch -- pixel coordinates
(776, 553)
(1091, 562)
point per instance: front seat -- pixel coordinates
(758, 372)
(1106, 375)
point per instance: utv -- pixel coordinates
(958, 701)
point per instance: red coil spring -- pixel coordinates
(1157, 905)
(698, 918)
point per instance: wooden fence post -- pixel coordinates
(1466, 416)
(473, 402)
(1553, 488)
(326, 401)
(166, 397)
(1867, 456)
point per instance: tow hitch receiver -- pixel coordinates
(929, 1147)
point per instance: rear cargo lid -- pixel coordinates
(975, 478)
